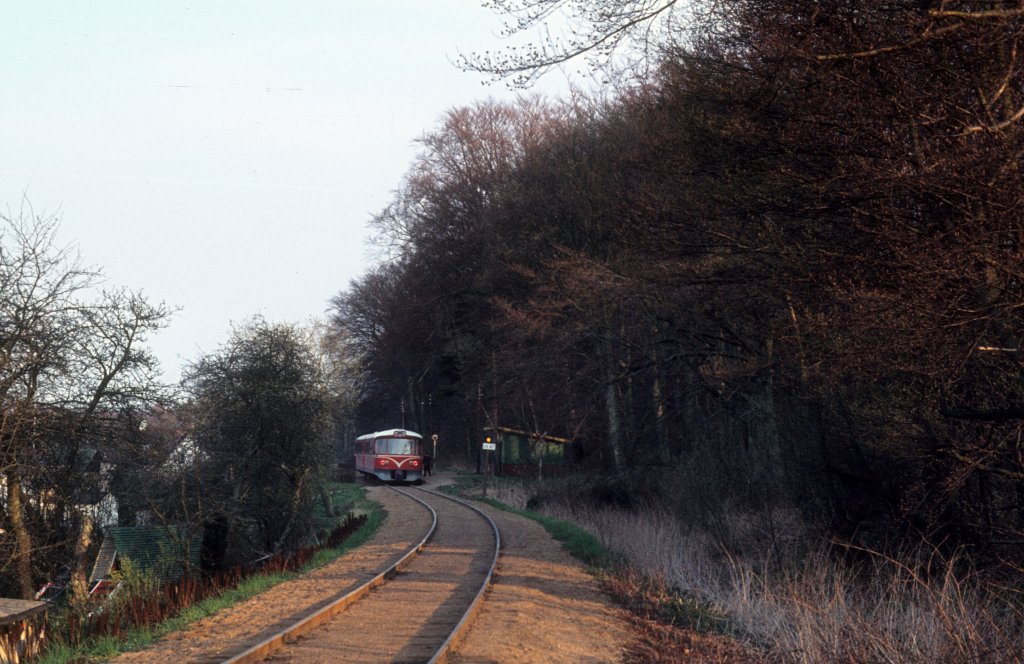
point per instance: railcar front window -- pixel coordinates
(394, 446)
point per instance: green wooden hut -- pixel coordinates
(528, 454)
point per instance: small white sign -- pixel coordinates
(490, 446)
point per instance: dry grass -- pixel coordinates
(511, 492)
(663, 626)
(806, 607)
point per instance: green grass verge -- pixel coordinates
(577, 541)
(345, 497)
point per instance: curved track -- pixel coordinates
(419, 608)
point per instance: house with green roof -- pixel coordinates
(166, 552)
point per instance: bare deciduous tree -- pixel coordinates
(71, 360)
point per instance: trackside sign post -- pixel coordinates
(488, 447)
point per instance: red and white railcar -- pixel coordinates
(395, 455)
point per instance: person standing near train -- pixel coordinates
(429, 456)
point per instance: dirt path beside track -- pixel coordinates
(543, 606)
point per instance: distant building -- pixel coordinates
(525, 453)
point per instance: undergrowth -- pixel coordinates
(345, 498)
(696, 597)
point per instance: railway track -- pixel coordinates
(415, 611)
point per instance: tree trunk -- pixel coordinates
(766, 454)
(690, 403)
(293, 510)
(78, 581)
(328, 504)
(23, 541)
(611, 403)
(661, 449)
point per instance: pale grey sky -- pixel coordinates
(223, 156)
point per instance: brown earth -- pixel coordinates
(543, 606)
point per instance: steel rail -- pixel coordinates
(443, 653)
(310, 622)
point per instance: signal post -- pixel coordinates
(488, 447)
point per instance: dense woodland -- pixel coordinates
(778, 264)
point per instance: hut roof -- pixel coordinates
(162, 551)
(533, 435)
(12, 610)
